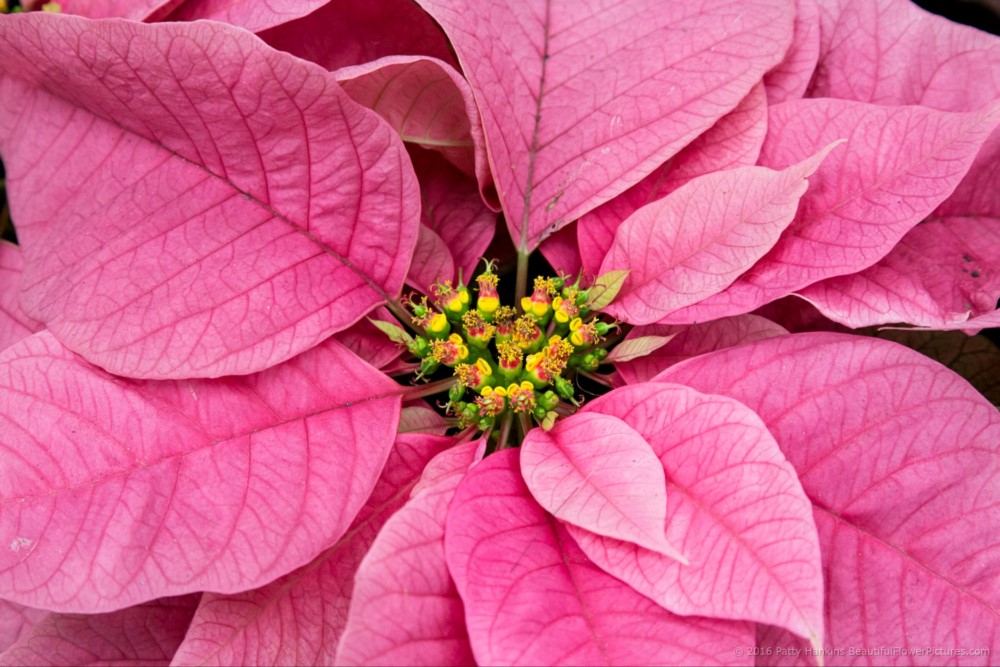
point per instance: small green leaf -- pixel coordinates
(395, 334)
(633, 348)
(606, 288)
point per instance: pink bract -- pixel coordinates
(405, 609)
(903, 490)
(15, 324)
(524, 560)
(117, 491)
(311, 602)
(254, 16)
(146, 634)
(598, 473)
(554, 158)
(222, 247)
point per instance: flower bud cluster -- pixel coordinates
(507, 362)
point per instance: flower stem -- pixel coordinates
(565, 410)
(467, 435)
(508, 420)
(612, 339)
(402, 315)
(521, 287)
(525, 424)
(429, 389)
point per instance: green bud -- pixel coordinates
(428, 366)
(456, 393)
(419, 347)
(549, 400)
(564, 388)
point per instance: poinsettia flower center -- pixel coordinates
(507, 365)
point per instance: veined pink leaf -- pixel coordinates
(15, 621)
(135, 10)
(418, 417)
(146, 634)
(692, 341)
(365, 340)
(562, 252)
(428, 103)
(431, 261)
(734, 141)
(226, 214)
(113, 491)
(342, 34)
(893, 52)
(900, 459)
(899, 163)
(790, 78)
(696, 241)
(597, 473)
(532, 598)
(457, 226)
(14, 322)
(735, 509)
(977, 195)
(405, 609)
(581, 102)
(941, 273)
(298, 619)
(252, 15)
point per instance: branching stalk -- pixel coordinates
(429, 389)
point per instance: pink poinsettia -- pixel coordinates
(213, 450)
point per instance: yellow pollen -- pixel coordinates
(533, 360)
(488, 304)
(510, 353)
(438, 323)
